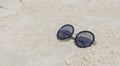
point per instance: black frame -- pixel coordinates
(63, 27)
(77, 36)
(90, 43)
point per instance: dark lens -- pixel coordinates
(65, 32)
(84, 39)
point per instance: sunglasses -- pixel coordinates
(83, 39)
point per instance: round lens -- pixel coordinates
(84, 39)
(65, 32)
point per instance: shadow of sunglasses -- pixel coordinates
(83, 39)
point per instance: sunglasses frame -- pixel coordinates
(65, 26)
(75, 38)
(83, 32)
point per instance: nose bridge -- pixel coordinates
(74, 35)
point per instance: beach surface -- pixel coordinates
(28, 32)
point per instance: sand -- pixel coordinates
(28, 32)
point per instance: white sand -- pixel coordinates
(28, 32)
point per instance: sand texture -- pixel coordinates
(28, 32)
